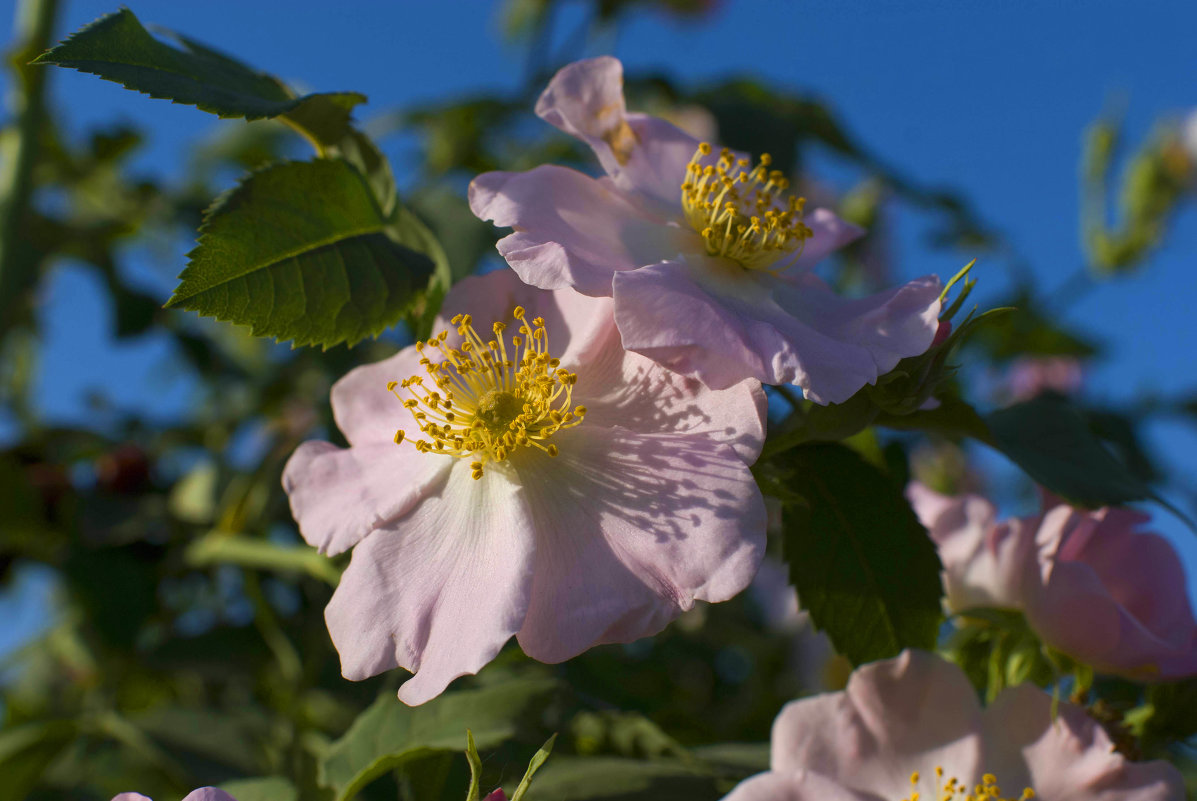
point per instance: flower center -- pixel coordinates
(743, 215)
(488, 402)
(954, 790)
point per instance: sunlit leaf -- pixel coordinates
(390, 734)
(302, 251)
(118, 48)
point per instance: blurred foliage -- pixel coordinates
(187, 644)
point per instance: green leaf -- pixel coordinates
(1170, 713)
(475, 791)
(265, 788)
(537, 760)
(953, 418)
(579, 778)
(222, 548)
(389, 734)
(863, 565)
(25, 753)
(1052, 441)
(302, 251)
(118, 48)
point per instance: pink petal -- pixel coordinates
(1122, 556)
(338, 496)
(577, 326)
(440, 590)
(130, 797)
(984, 564)
(721, 324)
(621, 388)
(799, 785)
(1065, 756)
(887, 326)
(903, 715)
(570, 230)
(1098, 576)
(828, 234)
(365, 410)
(641, 153)
(631, 529)
(208, 794)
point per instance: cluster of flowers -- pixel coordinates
(578, 472)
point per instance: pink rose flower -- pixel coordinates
(202, 794)
(580, 495)
(1090, 583)
(706, 258)
(913, 724)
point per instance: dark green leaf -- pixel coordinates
(577, 778)
(1051, 440)
(953, 418)
(118, 48)
(389, 734)
(1170, 713)
(864, 567)
(737, 760)
(301, 251)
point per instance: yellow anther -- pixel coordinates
(914, 778)
(741, 214)
(500, 401)
(399, 436)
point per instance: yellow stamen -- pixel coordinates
(487, 403)
(743, 215)
(955, 790)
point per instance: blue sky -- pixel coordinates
(988, 97)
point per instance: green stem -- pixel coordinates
(34, 26)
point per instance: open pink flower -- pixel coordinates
(202, 794)
(707, 260)
(1089, 582)
(913, 724)
(580, 495)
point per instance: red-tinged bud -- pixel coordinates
(942, 333)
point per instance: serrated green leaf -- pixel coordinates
(389, 734)
(118, 48)
(1051, 440)
(301, 251)
(863, 565)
